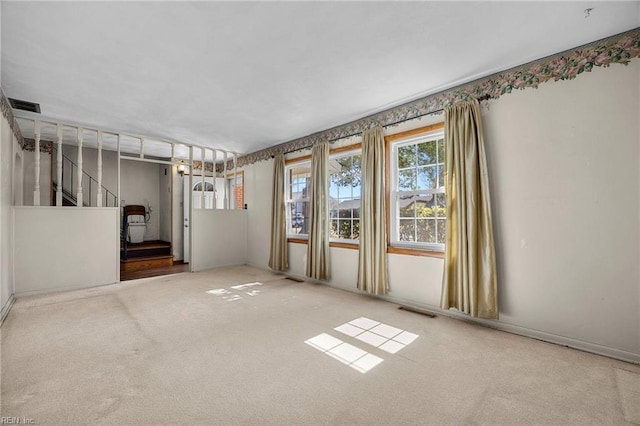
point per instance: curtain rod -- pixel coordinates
(480, 99)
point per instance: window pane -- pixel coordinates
(344, 229)
(407, 230)
(406, 156)
(407, 180)
(333, 213)
(299, 178)
(427, 177)
(441, 203)
(344, 213)
(424, 205)
(441, 154)
(426, 230)
(406, 206)
(426, 153)
(356, 230)
(334, 228)
(334, 189)
(442, 223)
(441, 175)
(344, 187)
(298, 217)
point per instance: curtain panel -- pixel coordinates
(318, 244)
(372, 262)
(278, 258)
(470, 277)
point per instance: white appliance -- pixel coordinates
(137, 227)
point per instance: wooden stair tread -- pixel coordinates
(138, 263)
(146, 247)
(140, 259)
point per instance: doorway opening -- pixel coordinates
(146, 243)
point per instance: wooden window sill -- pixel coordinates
(337, 244)
(393, 250)
(297, 240)
(415, 252)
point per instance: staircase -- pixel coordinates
(89, 187)
(141, 256)
(145, 255)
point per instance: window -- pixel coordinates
(344, 196)
(297, 180)
(417, 199)
(235, 191)
(208, 187)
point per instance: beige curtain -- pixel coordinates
(318, 244)
(278, 260)
(470, 279)
(372, 265)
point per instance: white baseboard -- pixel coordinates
(59, 289)
(6, 308)
(528, 332)
(499, 325)
(206, 268)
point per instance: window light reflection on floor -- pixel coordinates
(230, 296)
(389, 339)
(350, 355)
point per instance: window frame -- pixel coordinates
(410, 137)
(288, 201)
(341, 153)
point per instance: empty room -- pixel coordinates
(320, 213)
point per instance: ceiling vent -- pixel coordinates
(25, 105)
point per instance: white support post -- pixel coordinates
(202, 202)
(215, 178)
(118, 204)
(59, 165)
(119, 201)
(36, 186)
(224, 174)
(235, 178)
(141, 148)
(99, 194)
(190, 195)
(79, 193)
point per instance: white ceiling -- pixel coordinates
(243, 76)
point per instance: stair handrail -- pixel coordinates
(91, 178)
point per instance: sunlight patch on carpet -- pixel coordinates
(231, 296)
(350, 355)
(389, 339)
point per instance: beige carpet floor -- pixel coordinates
(164, 351)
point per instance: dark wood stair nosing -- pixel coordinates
(141, 259)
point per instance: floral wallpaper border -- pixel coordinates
(619, 49)
(197, 165)
(30, 145)
(5, 106)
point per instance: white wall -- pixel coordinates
(8, 149)
(219, 238)
(565, 185)
(17, 173)
(60, 248)
(29, 177)
(140, 185)
(258, 180)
